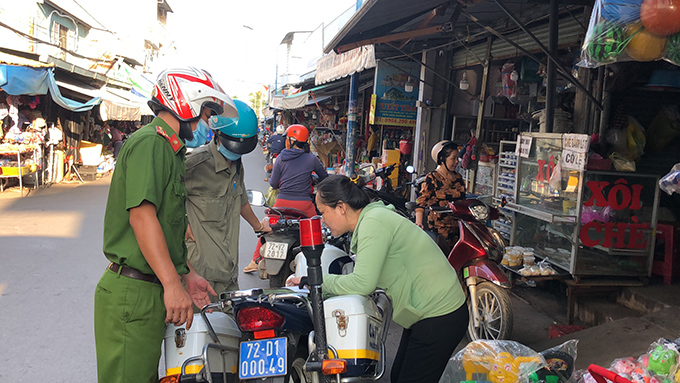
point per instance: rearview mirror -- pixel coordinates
(366, 172)
(256, 198)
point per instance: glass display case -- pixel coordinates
(585, 222)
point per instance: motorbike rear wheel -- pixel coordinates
(494, 309)
(279, 280)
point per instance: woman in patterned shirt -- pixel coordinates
(440, 187)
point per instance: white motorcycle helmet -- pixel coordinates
(280, 129)
(438, 149)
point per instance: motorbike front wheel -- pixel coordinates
(494, 310)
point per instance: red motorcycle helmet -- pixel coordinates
(297, 132)
(184, 92)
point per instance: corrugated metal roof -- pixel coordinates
(8, 59)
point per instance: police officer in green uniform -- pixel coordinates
(144, 227)
(216, 198)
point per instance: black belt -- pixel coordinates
(133, 273)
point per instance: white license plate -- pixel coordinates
(275, 250)
(262, 358)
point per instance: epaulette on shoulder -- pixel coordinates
(173, 140)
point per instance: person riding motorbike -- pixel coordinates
(292, 175)
(441, 186)
(141, 290)
(394, 255)
(277, 141)
(216, 198)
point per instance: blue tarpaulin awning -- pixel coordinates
(24, 80)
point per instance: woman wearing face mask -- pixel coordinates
(398, 257)
(292, 175)
(441, 186)
(216, 198)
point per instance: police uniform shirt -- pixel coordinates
(150, 167)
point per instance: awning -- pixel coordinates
(302, 99)
(378, 17)
(122, 105)
(24, 80)
(117, 104)
(9, 59)
(335, 66)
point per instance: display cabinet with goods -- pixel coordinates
(587, 223)
(505, 188)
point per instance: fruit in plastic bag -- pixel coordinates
(661, 17)
(621, 11)
(643, 45)
(605, 43)
(673, 48)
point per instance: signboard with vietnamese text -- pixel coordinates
(396, 113)
(524, 145)
(574, 151)
(396, 91)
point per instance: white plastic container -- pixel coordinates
(181, 344)
(354, 329)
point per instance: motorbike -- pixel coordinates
(476, 257)
(286, 335)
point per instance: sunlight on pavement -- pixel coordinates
(61, 224)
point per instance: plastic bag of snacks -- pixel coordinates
(632, 30)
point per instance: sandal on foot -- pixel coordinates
(252, 266)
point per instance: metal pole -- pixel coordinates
(552, 70)
(350, 150)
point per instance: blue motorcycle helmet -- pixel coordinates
(237, 135)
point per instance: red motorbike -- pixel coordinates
(476, 257)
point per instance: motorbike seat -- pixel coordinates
(288, 212)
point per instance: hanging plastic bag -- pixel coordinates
(621, 163)
(670, 183)
(632, 30)
(270, 196)
(556, 178)
(471, 155)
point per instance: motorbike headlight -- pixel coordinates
(480, 212)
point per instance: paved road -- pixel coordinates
(51, 260)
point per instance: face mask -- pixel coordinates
(227, 154)
(200, 135)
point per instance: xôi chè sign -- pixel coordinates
(619, 235)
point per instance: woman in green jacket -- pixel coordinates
(397, 256)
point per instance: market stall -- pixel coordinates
(585, 222)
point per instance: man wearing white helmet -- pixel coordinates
(277, 141)
(144, 226)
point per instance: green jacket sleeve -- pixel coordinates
(146, 172)
(372, 249)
